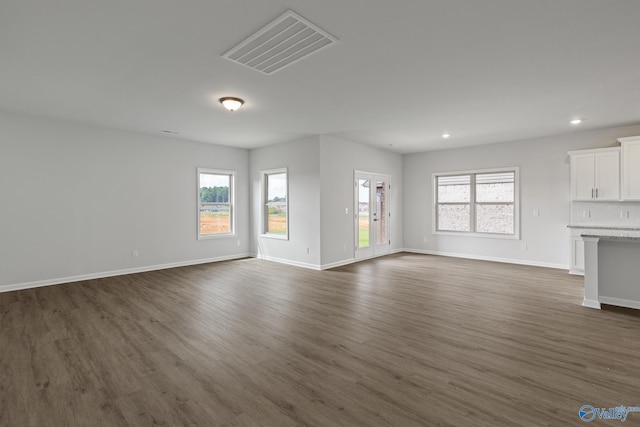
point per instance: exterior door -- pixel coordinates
(371, 214)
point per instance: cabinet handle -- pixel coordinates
(592, 193)
(596, 193)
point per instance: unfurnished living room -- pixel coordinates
(319, 213)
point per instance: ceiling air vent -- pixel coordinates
(284, 41)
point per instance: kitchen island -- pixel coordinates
(612, 271)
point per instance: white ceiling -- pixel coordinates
(402, 72)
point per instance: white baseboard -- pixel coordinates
(288, 262)
(620, 302)
(591, 303)
(323, 266)
(337, 264)
(353, 260)
(488, 258)
(71, 279)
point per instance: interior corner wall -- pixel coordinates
(339, 159)
(544, 187)
(301, 158)
(77, 200)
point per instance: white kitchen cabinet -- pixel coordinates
(595, 174)
(630, 155)
(577, 254)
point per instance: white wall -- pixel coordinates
(301, 157)
(76, 200)
(338, 160)
(544, 186)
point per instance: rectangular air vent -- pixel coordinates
(284, 41)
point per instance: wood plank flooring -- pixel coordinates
(404, 340)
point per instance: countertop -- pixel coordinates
(622, 238)
(601, 227)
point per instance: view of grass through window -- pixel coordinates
(214, 215)
(276, 205)
(364, 210)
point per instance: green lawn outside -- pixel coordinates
(277, 223)
(214, 222)
(363, 230)
(204, 214)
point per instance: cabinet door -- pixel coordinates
(607, 176)
(577, 255)
(582, 176)
(631, 170)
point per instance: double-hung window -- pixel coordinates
(275, 188)
(477, 202)
(215, 203)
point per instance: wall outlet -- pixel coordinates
(424, 239)
(346, 211)
(523, 248)
(536, 212)
(238, 242)
(586, 214)
(344, 247)
(134, 253)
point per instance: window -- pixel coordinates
(478, 202)
(215, 203)
(275, 216)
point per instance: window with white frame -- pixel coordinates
(275, 190)
(477, 202)
(215, 203)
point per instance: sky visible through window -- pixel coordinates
(210, 180)
(277, 186)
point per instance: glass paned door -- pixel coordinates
(371, 208)
(364, 213)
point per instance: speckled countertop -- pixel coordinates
(623, 238)
(601, 227)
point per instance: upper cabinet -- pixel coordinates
(595, 174)
(630, 168)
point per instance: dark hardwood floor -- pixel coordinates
(402, 340)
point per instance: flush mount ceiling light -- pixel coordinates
(446, 135)
(576, 121)
(231, 103)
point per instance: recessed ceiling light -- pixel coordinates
(231, 103)
(576, 121)
(446, 135)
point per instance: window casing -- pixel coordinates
(477, 203)
(275, 203)
(216, 213)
